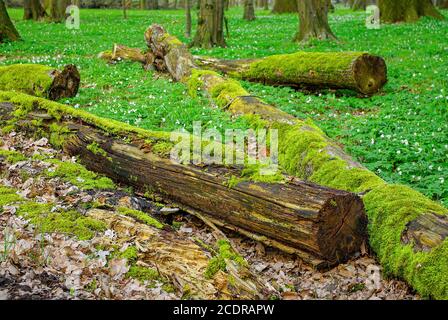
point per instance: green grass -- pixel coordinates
(401, 134)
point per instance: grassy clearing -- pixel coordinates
(400, 134)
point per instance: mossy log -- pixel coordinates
(356, 71)
(40, 81)
(322, 226)
(120, 52)
(393, 210)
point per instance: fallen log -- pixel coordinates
(398, 216)
(40, 81)
(322, 226)
(358, 71)
(120, 52)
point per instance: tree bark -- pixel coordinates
(249, 10)
(33, 10)
(320, 225)
(313, 16)
(393, 11)
(360, 72)
(285, 6)
(188, 18)
(210, 28)
(40, 81)
(57, 10)
(7, 30)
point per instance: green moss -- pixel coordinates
(162, 148)
(41, 215)
(12, 156)
(8, 196)
(79, 176)
(58, 134)
(143, 273)
(288, 68)
(131, 254)
(218, 262)
(390, 208)
(195, 82)
(96, 149)
(141, 216)
(32, 79)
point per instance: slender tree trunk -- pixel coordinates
(285, 6)
(210, 29)
(313, 16)
(33, 10)
(187, 18)
(249, 10)
(7, 30)
(406, 10)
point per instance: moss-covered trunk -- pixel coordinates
(407, 10)
(407, 231)
(7, 30)
(249, 10)
(210, 28)
(40, 81)
(33, 10)
(187, 18)
(357, 71)
(284, 6)
(313, 20)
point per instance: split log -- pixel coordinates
(357, 71)
(178, 259)
(322, 226)
(40, 81)
(306, 152)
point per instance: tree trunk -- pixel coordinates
(40, 81)
(7, 30)
(320, 225)
(313, 16)
(361, 72)
(210, 29)
(442, 4)
(393, 11)
(249, 10)
(57, 10)
(33, 10)
(188, 18)
(285, 6)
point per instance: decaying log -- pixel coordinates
(180, 260)
(357, 71)
(305, 151)
(120, 52)
(40, 81)
(322, 226)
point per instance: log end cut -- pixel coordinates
(65, 83)
(343, 227)
(370, 73)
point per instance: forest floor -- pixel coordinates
(400, 133)
(49, 258)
